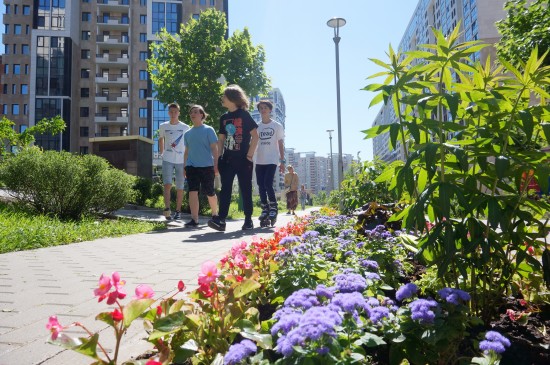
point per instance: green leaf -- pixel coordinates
(89, 346)
(246, 286)
(321, 274)
(376, 131)
(263, 340)
(170, 323)
(134, 309)
(370, 340)
(106, 317)
(502, 166)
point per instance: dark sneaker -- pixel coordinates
(177, 216)
(217, 224)
(192, 223)
(248, 225)
(166, 213)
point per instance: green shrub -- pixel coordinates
(65, 185)
(142, 190)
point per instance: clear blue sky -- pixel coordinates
(301, 62)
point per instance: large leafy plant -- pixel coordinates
(472, 135)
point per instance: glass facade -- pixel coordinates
(50, 14)
(166, 15)
(160, 115)
(53, 66)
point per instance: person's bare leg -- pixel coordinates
(213, 201)
(194, 205)
(167, 188)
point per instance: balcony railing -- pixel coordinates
(111, 57)
(112, 77)
(117, 2)
(111, 96)
(111, 116)
(104, 19)
(111, 134)
(112, 39)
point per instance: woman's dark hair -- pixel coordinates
(237, 96)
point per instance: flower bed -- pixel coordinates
(317, 292)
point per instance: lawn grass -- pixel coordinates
(22, 230)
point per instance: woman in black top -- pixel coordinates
(237, 141)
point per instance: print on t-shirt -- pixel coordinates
(234, 129)
(173, 137)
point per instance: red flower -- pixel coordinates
(159, 310)
(181, 285)
(117, 315)
(153, 362)
(205, 290)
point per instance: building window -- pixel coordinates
(143, 37)
(17, 29)
(15, 9)
(15, 49)
(142, 75)
(17, 69)
(7, 9)
(143, 2)
(13, 89)
(5, 89)
(6, 28)
(196, 16)
(84, 131)
(85, 73)
(202, 2)
(143, 112)
(143, 56)
(26, 109)
(26, 69)
(5, 109)
(15, 109)
(24, 89)
(84, 112)
(22, 128)
(26, 10)
(6, 49)
(83, 150)
(212, 2)
(143, 93)
(6, 69)
(85, 35)
(143, 19)
(193, 2)
(85, 92)
(85, 1)
(85, 54)
(25, 49)
(86, 16)
(143, 131)
(27, 29)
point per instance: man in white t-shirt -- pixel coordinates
(269, 154)
(172, 149)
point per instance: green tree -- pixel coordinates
(9, 137)
(525, 28)
(187, 67)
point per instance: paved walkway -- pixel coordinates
(60, 281)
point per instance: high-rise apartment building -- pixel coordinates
(86, 60)
(477, 21)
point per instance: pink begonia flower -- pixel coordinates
(242, 262)
(104, 286)
(181, 285)
(159, 310)
(153, 362)
(54, 327)
(144, 291)
(238, 247)
(209, 273)
(117, 315)
(205, 290)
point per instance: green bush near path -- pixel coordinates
(21, 230)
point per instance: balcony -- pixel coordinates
(111, 98)
(103, 79)
(112, 59)
(113, 42)
(114, 5)
(113, 22)
(111, 118)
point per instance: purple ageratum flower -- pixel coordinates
(348, 253)
(318, 322)
(494, 341)
(239, 351)
(345, 233)
(406, 291)
(370, 264)
(360, 244)
(284, 346)
(323, 350)
(347, 283)
(310, 234)
(372, 276)
(377, 313)
(454, 296)
(349, 302)
(303, 298)
(323, 291)
(289, 239)
(286, 323)
(280, 313)
(421, 310)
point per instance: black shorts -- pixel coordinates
(198, 177)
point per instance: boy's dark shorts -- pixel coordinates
(198, 177)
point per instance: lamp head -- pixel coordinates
(336, 22)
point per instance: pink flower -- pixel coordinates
(104, 286)
(144, 292)
(117, 315)
(238, 247)
(119, 292)
(181, 285)
(159, 310)
(205, 290)
(153, 362)
(54, 327)
(209, 273)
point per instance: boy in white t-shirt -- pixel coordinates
(172, 149)
(270, 153)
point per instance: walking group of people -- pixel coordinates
(199, 154)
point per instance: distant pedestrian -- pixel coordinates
(171, 149)
(292, 181)
(270, 153)
(237, 141)
(201, 163)
(303, 197)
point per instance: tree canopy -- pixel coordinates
(9, 137)
(188, 67)
(525, 27)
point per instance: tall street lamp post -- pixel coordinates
(336, 23)
(331, 176)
